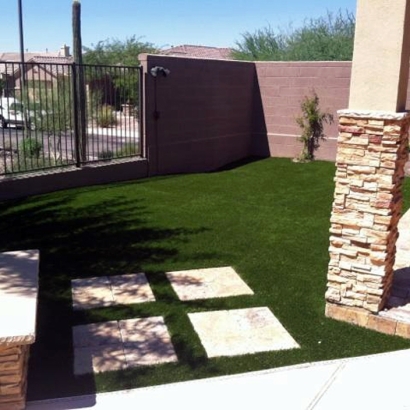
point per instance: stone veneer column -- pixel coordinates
(372, 151)
(18, 311)
(13, 376)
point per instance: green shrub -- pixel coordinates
(106, 116)
(311, 122)
(26, 164)
(128, 150)
(31, 148)
(106, 154)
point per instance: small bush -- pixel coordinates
(106, 117)
(106, 154)
(31, 148)
(26, 164)
(128, 150)
(312, 123)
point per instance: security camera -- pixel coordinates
(155, 71)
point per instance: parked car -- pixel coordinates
(12, 114)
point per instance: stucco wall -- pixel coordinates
(199, 117)
(207, 113)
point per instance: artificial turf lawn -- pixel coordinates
(268, 219)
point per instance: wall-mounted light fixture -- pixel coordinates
(157, 70)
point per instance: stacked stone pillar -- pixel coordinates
(13, 376)
(18, 314)
(372, 151)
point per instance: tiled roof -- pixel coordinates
(9, 62)
(51, 60)
(199, 52)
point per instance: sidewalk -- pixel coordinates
(370, 382)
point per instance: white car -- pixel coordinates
(12, 113)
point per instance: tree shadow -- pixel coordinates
(79, 237)
(19, 273)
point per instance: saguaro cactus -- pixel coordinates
(79, 91)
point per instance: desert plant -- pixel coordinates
(128, 150)
(31, 148)
(312, 123)
(106, 154)
(106, 116)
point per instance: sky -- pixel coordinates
(164, 23)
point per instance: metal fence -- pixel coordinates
(55, 115)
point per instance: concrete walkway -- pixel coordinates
(371, 382)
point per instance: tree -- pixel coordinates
(117, 52)
(120, 55)
(328, 38)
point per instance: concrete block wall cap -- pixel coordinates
(382, 115)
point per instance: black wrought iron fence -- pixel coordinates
(40, 120)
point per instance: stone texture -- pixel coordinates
(13, 376)
(386, 321)
(131, 288)
(241, 331)
(91, 293)
(96, 334)
(116, 345)
(208, 283)
(104, 291)
(147, 342)
(372, 151)
(99, 359)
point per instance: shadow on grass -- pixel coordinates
(78, 239)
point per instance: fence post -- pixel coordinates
(141, 110)
(75, 117)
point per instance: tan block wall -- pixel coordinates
(13, 376)
(282, 86)
(367, 204)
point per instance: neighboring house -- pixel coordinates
(40, 69)
(199, 52)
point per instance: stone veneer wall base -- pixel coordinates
(369, 320)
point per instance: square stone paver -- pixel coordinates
(241, 331)
(98, 348)
(108, 346)
(131, 288)
(91, 293)
(147, 342)
(208, 283)
(105, 291)
(97, 334)
(99, 359)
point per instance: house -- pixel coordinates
(41, 70)
(199, 52)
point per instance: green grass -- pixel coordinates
(268, 219)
